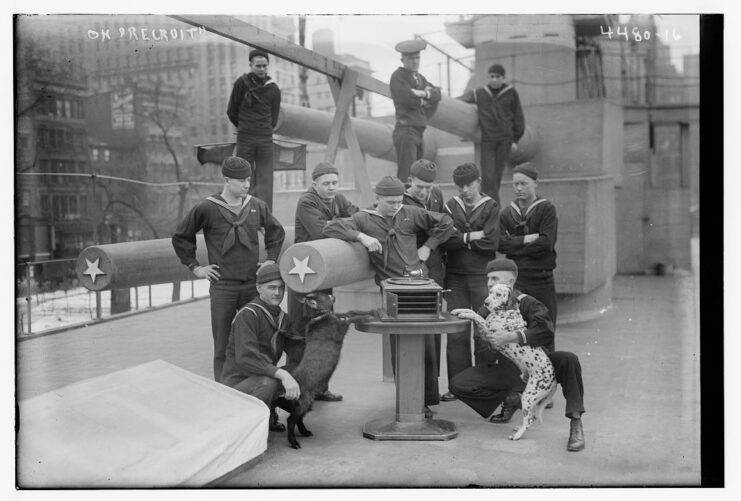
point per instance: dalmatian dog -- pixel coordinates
(537, 370)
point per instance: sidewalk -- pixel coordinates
(641, 375)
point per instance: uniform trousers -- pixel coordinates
(485, 386)
(466, 291)
(227, 297)
(265, 388)
(494, 159)
(258, 150)
(540, 285)
(409, 148)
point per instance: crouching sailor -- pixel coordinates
(255, 346)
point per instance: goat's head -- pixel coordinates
(317, 303)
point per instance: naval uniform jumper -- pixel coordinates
(397, 234)
(466, 268)
(231, 240)
(313, 212)
(398, 237)
(536, 260)
(255, 346)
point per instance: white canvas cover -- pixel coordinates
(153, 425)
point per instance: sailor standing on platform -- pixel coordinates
(230, 222)
(389, 233)
(502, 125)
(253, 108)
(415, 101)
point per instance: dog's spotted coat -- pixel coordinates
(537, 369)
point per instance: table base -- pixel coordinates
(429, 429)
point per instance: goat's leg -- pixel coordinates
(302, 427)
(292, 432)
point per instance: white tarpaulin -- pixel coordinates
(153, 425)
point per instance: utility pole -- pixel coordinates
(303, 75)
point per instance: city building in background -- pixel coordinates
(52, 212)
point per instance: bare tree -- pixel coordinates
(167, 119)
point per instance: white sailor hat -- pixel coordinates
(411, 46)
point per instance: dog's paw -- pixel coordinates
(464, 313)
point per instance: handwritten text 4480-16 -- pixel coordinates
(639, 36)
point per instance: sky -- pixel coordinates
(373, 37)
(360, 34)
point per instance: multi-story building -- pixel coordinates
(691, 72)
(51, 136)
(131, 66)
(143, 125)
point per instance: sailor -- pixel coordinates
(415, 101)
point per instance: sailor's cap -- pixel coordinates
(411, 46)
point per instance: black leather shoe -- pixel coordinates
(428, 413)
(509, 407)
(576, 436)
(448, 397)
(274, 424)
(328, 396)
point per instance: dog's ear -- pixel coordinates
(331, 298)
(311, 302)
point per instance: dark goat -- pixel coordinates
(325, 333)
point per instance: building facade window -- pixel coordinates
(45, 205)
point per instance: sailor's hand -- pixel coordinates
(369, 242)
(514, 147)
(530, 237)
(499, 337)
(475, 235)
(293, 391)
(210, 272)
(424, 253)
(419, 93)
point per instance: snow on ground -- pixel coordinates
(51, 310)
